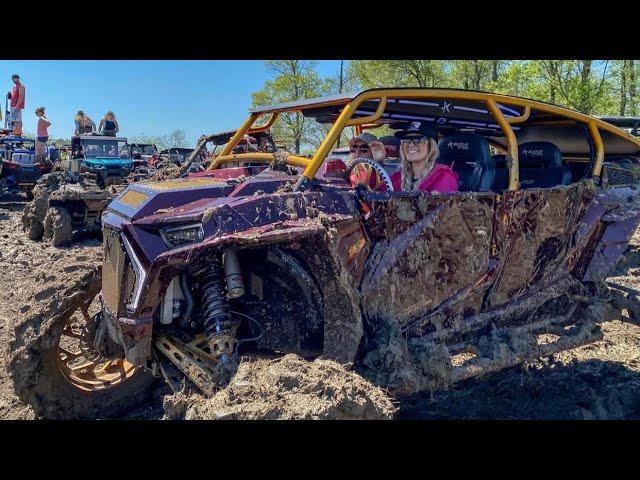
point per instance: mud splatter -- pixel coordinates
(289, 388)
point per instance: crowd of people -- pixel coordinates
(16, 98)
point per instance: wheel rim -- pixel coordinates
(83, 366)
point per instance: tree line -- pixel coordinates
(594, 87)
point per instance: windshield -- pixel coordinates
(105, 149)
(23, 144)
(143, 149)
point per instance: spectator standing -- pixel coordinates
(17, 96)
(42, 135)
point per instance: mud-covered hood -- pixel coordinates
(141, 200)
(189, 196)
(218, 208)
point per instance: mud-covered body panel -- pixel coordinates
(433, 247)
(535, 235)
(435, 265)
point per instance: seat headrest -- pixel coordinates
(539, 155)
(466, 148)
(500, 160)
(391, 146)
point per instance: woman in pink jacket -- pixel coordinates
(418, 168)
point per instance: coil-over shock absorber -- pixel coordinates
(219, 328)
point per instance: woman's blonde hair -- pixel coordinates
(406, 173)
(83, 119)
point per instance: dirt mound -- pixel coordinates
(289, 388)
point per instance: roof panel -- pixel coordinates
(341, 99)
(461, 108)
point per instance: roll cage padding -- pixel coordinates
(470, 157)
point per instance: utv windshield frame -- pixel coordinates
(346, 110)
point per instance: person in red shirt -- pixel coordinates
(17, 97)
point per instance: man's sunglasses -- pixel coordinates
(362, 148)
(413, 140)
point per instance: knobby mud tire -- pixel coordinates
(32, 356)
(31, 223)
(57, 226)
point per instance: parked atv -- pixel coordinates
(65, 203)
(145, 157)
(416, 289)
(175, 155)
(20, 168)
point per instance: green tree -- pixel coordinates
(583, 85)
(291, 80)
(398, 73)
(177, 138)
(472, 74)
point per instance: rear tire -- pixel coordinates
(57, 226)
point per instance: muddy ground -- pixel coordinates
(597, 381)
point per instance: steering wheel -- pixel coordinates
(375, 166)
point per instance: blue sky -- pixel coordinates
(150, 97)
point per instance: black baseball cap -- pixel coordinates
(418, 127)
(15, 75)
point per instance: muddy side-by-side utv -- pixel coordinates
(415, 289)
(20, 168)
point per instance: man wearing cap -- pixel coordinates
(17, 97)
(366, 145)
(418, 168)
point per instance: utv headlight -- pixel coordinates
(174, 237)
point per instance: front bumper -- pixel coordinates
(27, 177)
(108, 175)
(122, 281)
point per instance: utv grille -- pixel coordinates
(118, 277)
(616, 176)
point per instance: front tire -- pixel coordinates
(32, 224)
(39, 357)
(57, 226)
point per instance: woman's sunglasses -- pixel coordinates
(413, 140)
